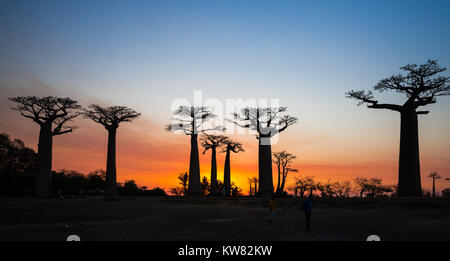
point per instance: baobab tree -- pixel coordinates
(255, 185)
(212, 142)
(250, 182)
(267, 122)
(191, 120)
(434, 176)
(52, 114)
(228, 147)
(421, 85)
(283, 161)
(110, 117)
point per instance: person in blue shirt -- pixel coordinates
(307, 208)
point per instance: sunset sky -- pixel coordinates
(305, 54)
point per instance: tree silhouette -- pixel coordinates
(52, 114)
(206, 187)
(361, 185)
(209, 141)
(303, 185)
(228, 146)
(267, 122)
(326, 189)
(191, 121)
(421, 85)
(184, 180)
(434, 176)
(255, 185)
(283, 161)
(342, 189)
(110, 117)
(250, 182)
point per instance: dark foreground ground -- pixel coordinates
(214, 219)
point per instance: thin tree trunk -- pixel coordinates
(434, 187)
(44, 165)
(227, 174)
(409, 183)
(265, 168)
(283, 181)
(111, 175)
(277, 190)
(213, 171)
(194, 187)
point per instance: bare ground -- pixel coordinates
(217, 219)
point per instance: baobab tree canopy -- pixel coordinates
(266, 121)
(111, 116)
(421, 84)
(52, 114)
(191, 120)
(48, 110)
(210, 141)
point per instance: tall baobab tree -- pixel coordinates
(283, 161)
(228, 147)
(52, 114)
(110, 117)
(191, 120)
(267, 122)
(421, 85)
(210, 141)
(434, 176)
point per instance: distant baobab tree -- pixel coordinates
(250, 182)
(210, 141)
(283, 162)
(255, 185)
(434, 176)
(110, 117)
(52, 114)
(421, 85)
(191, 120)
(267, 122)
(229, 146)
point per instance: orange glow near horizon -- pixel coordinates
(154, 157)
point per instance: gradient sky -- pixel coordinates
(306, 54)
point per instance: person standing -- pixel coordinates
(272, 210)
(307, 208)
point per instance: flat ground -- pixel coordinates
(217, 219)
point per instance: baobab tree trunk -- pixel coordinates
(194, 188)
(409, 183)
(44, 165)
(213, 171)
(265, 168)
(111, 175)
(227, 174)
